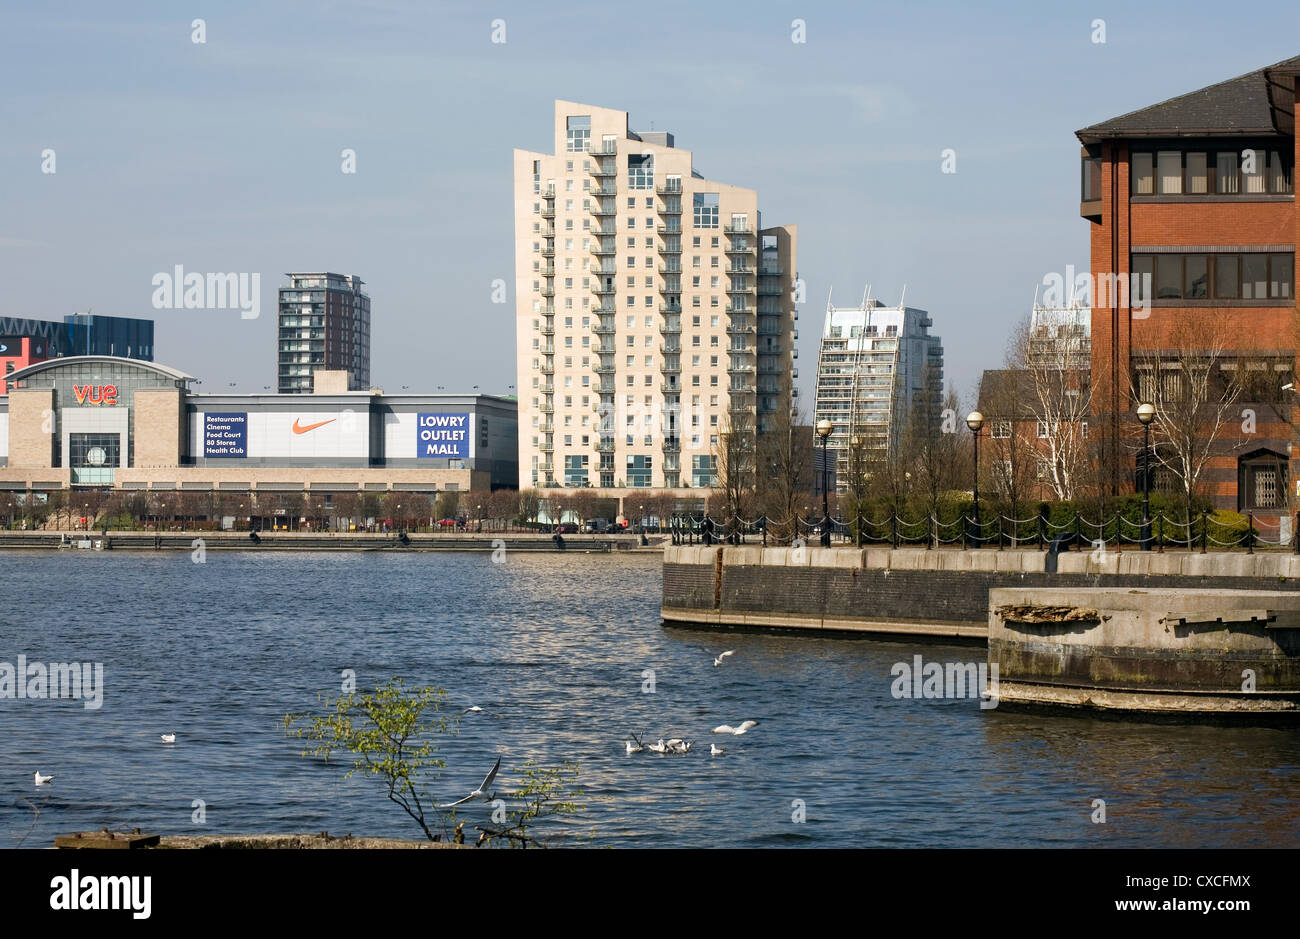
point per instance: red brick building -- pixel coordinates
(1195, 196)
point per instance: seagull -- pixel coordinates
(718, 661)
(42, 780)
(634, 747)
(168, 738)
(679, 746)
(737, 731)
(659, 747)
(480, 792)
(473, 708)
(715, 750)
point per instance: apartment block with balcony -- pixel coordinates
(654, 309)
(1193, 225)
(874, 364)
(324, 325)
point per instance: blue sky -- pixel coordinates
(225, 156)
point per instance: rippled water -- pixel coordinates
(553, 647)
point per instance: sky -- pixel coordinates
(226, 155)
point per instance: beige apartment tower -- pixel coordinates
(654, 310)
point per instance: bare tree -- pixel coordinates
(1056, 355)
(736, 458)
(1194, 396)
(784, 471)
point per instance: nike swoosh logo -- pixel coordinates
(299, 429)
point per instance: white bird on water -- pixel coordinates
(42, 780)
(737, 731)
(718, 660)
(481, 792)
(634, 747)
(168, 738)
(659, 747)
(715, 750)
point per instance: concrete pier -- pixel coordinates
(1158, 651)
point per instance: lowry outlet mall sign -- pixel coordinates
(443, 435)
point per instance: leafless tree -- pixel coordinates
(784, 471)
(1056, 358)
(736, 457)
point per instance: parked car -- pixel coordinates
(567, 528)
(598, 526)
(447, 522)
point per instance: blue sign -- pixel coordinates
(442, 435)
(225, 435)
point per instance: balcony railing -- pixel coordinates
(742, 228)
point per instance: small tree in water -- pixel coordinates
(391, 733)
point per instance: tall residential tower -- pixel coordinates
(654, 310)
(324, 325)
(875, 363)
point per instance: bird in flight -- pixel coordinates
(737, 731)
(718, 659)
(481, 792)
(472, 709)
(634, 747)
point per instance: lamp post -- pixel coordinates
(1146, 413)
(975, 420)
(824, 429)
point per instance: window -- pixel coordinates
(640, 172)
(1262, 481)
(1197, 173)
(579, 134)
(1225, 173)
(1169, 167)
(1143, 173)
(1001, 430)
(1041, 430)
(706, 209)
(639, 470)
(1241, 275)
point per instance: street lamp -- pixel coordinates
(824, 428)
(1146, 413)
(975, 420)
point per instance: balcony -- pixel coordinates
(768, 289)
(670, 389)
(743, 248)
(670, 348)
(605, 250)
(668, 369)
(670, 308)
(604, 369)
(670, 268)
(548, 251)
(669, 187)
(548, 211)
(734, 369)
(743, 228)
(604, 208)
(605, 169)
(547, 428)
(601, 329)
(670, 229)
(603, 232)
(670, 329)
(548, 290)
(672, 445)
(605, 267)
(604, 148)
(734, 289)
(548, 231)
(770, 270)
(602, 191)
(604, 289)
(605, 444)
(736, 269)
(547, 270)
(740, 330)
(670, 248)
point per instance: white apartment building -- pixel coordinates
(874, 363)
(651, 304)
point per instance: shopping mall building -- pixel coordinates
(106, 422)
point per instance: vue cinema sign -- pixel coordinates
(95, 394)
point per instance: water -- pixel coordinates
(554, 647)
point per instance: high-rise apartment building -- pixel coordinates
(875, 363)
(654, 310)
(324, 324)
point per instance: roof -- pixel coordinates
(1006, 394)
(1259, 103)
(164, 370)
